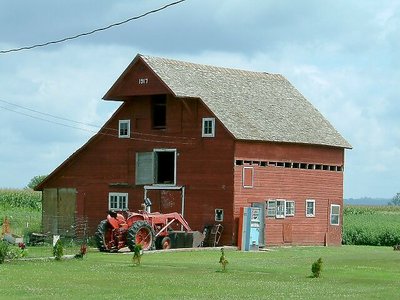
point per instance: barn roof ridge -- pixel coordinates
(254, 106)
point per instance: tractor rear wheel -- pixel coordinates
(141, 233)
(103, 236)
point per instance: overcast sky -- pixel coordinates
(343, 56)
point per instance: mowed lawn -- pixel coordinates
(356, 272)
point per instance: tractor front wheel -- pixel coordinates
(141, 233)
(166, 243)
(103, 236)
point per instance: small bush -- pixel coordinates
(4, 249)
(223, 261)
(316, 268)
(58, 250)
(137, 254)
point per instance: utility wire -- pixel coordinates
(77, 122)
(92, 31)
(101, 132)
(46, 114)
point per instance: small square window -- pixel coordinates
(335, 214)
(118, 201)
(124, 129)
(208, 127)
(219, 215)
(310, 208)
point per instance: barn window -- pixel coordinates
(247, 177)
(219, 215)
(208, 127)
(124, 129)
(157, 167)
(335, 213)
(271, 208)
(280, 208)
(289, 208)
(310, 208)
(159, 111)
(118, 201)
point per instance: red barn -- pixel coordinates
(205, 141)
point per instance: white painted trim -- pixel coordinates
(175, 163)
(128, 134)
(252, 178)
(313, 214)
(330, 215)
(212, 134)
(118, 195)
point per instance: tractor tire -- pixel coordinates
(102, 236)
(141, 233)
(166, 243)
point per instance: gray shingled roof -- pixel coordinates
(251, 105)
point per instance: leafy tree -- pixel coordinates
(395, 200)
(36, 180)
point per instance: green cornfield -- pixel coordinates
(23, 210)
(371, 225)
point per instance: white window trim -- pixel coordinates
(280, 216)
(275, 210)
(330, 215)
(212, 134)
(252, 178)
(313, 202)
(268, 208)
(175, 152)
(294, 208)
(117, 195)
(128, 134)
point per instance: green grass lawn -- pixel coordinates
(359, 272)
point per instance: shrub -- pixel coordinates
(223, 261)
(4, 249)
(137, 254)
(316, 268)
(58, 250)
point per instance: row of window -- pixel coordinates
(290, 165)
(278, 208)
(207, 128)
(281, 208)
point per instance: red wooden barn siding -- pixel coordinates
(270, 182)
(108, 161)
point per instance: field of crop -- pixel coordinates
(22, 209)
(356, 272)
(369, 225)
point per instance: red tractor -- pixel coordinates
(151, 230)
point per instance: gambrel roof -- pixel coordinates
(254, 106)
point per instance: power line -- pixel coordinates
(48, 115)
(76, 122)
(101, 132)
(92, 31)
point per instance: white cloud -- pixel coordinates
(341, 55)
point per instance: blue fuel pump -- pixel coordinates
(250, 228)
